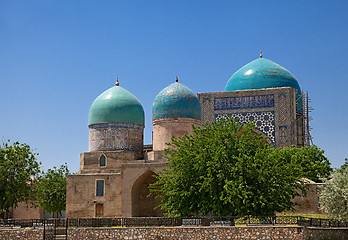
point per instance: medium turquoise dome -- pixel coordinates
(263, 73)
(176, 101)
(116, 105)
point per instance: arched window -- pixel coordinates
(102, 161)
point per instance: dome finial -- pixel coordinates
(117, 83)
(176, 79)
(261, 54)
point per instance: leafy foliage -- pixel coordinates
(51, 189)
(18, 169)
(314, 165)
(334, 195)
(227, 169)
(345, 164)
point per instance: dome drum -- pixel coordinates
(164, 129)
(116, 136)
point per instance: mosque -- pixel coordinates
(116, 171)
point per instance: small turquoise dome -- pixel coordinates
(176, 101)
(116, 105)
(263, 73)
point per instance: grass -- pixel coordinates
(305, 215)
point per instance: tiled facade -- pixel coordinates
(273, 111)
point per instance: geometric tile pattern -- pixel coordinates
(264, 121)
(207, 110)
(283, 134)
(282, 100)
(111, 138)
(259, 101)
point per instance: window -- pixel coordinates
(100, 188)
(102, 161)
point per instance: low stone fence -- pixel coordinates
(21, 233)
(312, 233)
(191, 233)
(183, 233)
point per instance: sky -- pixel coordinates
(56, 57)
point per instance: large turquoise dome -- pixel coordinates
(116, 105)
(176, 101)
(263, 73)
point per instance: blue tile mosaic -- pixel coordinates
(260, 101)
(264, 121)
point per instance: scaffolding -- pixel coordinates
(306, 129)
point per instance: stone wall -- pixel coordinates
(21, 233)
(181, 233)
(326, 233)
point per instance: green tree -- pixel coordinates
(314, 164)
(226, 168)
(334, 195)
(345, 164)
(51, 189)
(18, 170)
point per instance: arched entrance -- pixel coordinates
(142, 204)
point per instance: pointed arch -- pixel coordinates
(102, 160)
(142, 204)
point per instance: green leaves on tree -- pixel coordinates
(51, 189)
(18, 171)
(334, 195)
(227, 168)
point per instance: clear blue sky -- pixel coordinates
(56, 57)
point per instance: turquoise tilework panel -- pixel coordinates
(176, 101)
